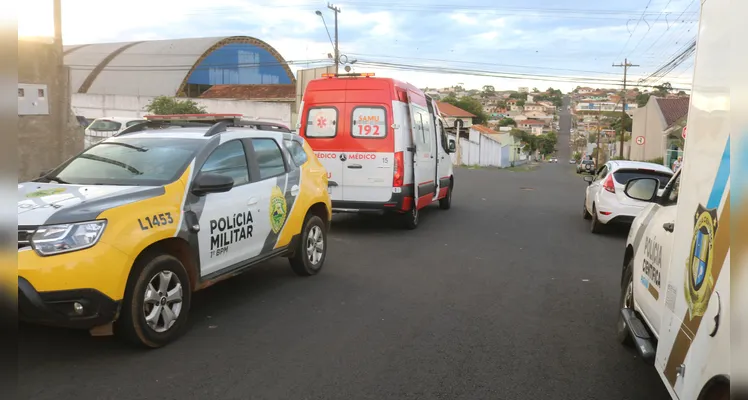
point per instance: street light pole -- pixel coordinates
(337, 49)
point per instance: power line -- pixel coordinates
(635, 27)
(650, 28)
(481, 63)
(668, 29)
(492, 74)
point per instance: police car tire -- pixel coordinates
(300, 263)
(131, 325)
(622, 332)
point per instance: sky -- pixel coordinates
(437, 43)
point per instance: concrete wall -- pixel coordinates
(101, 105)
(45, 141)
(649, 123)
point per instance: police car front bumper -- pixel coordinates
(77, 308)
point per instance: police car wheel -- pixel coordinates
(309, 255)
(410, 218)
(157, 301)
(626, 301)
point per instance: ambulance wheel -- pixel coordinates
(446, 202)
(310, 253)
(410, 218)
(626, 301)
(157, 301)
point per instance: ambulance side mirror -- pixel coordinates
(642, 189)
(451, 146)
(212, 183)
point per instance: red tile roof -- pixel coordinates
(449, 110)
(251, 92)
(673, 109)
(530, 122)
(484, 129)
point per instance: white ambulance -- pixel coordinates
(383, 143)
(675, 286)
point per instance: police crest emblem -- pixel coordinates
(699, 281)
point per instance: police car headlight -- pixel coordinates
(57, 239)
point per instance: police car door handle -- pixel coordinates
(294, 190)
(252, 201)
(355, 166)
(668, 226)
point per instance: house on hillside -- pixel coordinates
(531, 125)
(660, 123)
(452, 113)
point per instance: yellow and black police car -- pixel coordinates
(117, 238)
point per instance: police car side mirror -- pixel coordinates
(642, 189)
(451, 146)
(212, 183)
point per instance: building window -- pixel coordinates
(40, 93)
(21, 93)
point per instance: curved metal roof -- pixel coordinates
(146, 68)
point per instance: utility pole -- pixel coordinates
(626, 64)
(597, 156)
(57, 18)
(337, 50)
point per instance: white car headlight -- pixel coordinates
(56, 239)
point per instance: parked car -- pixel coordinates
(572, 161)
(605, 201)
(117, 238)
(103, 128)
(587, 166)
(554, 159)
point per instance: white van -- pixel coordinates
(382, 142)
(675, 286)
(106, 127)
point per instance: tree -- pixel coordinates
(507, 122)
(521, 103)
(627, 124)
(529, 141)
(518, 96)
(535, 90)
(470, 105)
(488, 91)
(547, 143)
(642, 99)
(162, 105)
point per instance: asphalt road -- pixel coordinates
(564, 132)
(505, 296)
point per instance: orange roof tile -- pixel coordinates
(449, 110)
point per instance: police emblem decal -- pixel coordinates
(699, 282)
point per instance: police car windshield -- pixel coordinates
(129, 161)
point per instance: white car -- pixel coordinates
(605, 201)
(106, 127)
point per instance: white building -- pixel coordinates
(119, 79)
